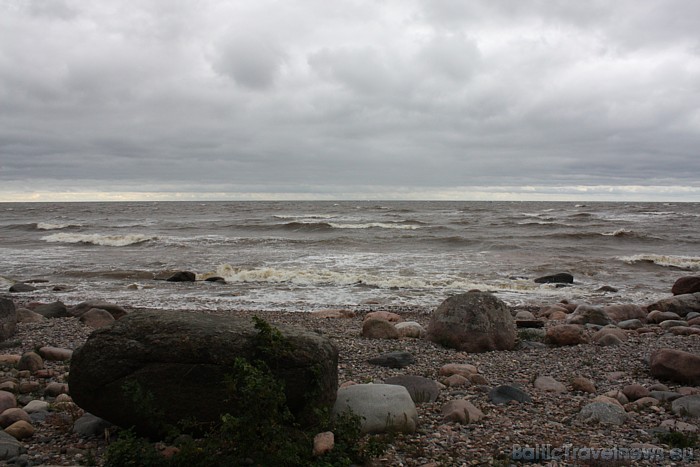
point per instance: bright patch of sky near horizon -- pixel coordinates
(439, 99)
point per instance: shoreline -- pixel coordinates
(550, 419)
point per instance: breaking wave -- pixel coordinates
(51, 226)
(99, 239)
(680, 262)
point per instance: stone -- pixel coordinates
(635, 391)
(473, 322)
(505, 393)
(398, 359)
(12, 415)
(559, 278)
(524, 315)
(25, 315)
(609, 340)
(384, 315)
(684, 331)
(333, 314)
(7, 401)
(54, 388)
(90, 425)
(566, 334)
(687, 406)
(182, 276)
(657, 316)
(30, 361)
(677, 425)
(36, 406)
(461, 411)
(97, 318)
(21, 429)
(686, 285)
(21, 287)
(581, 384)
(176, 357)
(586, 314)
(625, 312)
(614, 331)
(8, 319)
(323, 443)
(672, 323)
(614, 396)
(679, 304)
(379, 329)
(463, 369)
(52, 310)
(630, 324)
(410, 329)
(456, 381)
(9, 446)
(381, 407)
(55, 353)
(602, 413)
(549, 384)
(420, 389)
(675, 365)
(116, 311)
(553, 312)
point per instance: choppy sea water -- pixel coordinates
(309, 255)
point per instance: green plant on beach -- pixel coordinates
(260, 430)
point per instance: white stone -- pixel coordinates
(381, 407)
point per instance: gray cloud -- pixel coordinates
(403, 97)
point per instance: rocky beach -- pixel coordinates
(581, 384)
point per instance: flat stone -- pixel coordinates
(504, 394)
(461, 411)
(602, 413)
(688, 406)
(421, 389)
(398, 359)
(549, 384)
(36, 406)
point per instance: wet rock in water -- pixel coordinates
(686, 285)
(473, 322)
(176, 357)
(687, 406)
(586, 314)
(679, 304)
(420, 389)
(115, 310)
(379, 329)
(675, 365)
(504, 394)
(182, 276)
(566, 334)
(602, 413)
(215, 279)
(21, 287)
(381, 407)
(52, 310)
(398, 359)
(8, 319)
(559, 278)
(461, 411)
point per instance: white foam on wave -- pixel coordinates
(374, 225)
(618, 233)
(52, 226)
(682, 262)
(99, 239)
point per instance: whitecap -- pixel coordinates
(99, 239)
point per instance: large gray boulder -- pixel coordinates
(381, 407)
(151, 369)
(473, 322)
(679, 304)
(8, 318)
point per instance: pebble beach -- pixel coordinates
(551, 420)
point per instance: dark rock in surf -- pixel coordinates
(8, 318)
(559, 278)
(182, 276)
(686, 285)
(473, 322)
(215, 279)
(182, 360)
(21, 287)
(52, 310)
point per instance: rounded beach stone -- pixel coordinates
(36, 406)
(586, 314)
(675, 365)
(609, 340)
(605, 414)
(566, 334)
(31, 361)
(625, 312)
(116, 311)
(473, 322)
(581, 384)
(323, 443)
(410, 329)
(610, 331)
(55, 353)
(9, 446)
(90, 425)
(20, 430)
(399, 359)
(97, 318)
(379, 329)
(7, 401)
(549, 384)
(635, 391)
(12, 415)
(506, 393)
(384, 315)
(686, 285)
(630, 324)
(688, 406)
(461, 411)
(456, 381)
(381, 407)
(420, 388)
(463, 369)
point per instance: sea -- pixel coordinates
(304, 256)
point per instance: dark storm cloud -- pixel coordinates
(350, 98)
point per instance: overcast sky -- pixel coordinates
(430, 99)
